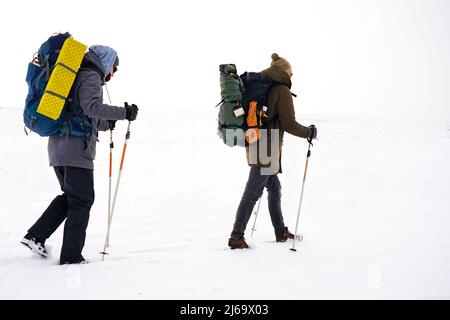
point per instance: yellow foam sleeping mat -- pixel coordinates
(61, 79)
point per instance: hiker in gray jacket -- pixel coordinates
(72, 157)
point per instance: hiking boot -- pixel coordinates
(80, 260)
(285, 235)
(36, 245)
(238, 243)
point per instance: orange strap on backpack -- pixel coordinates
(252, 134)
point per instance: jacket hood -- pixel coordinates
(277, 75)
(90, 61)
(106, 55)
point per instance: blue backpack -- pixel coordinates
(72, 122)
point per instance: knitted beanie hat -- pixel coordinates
(280, 62)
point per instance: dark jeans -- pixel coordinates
(73, 206)
(253, 191)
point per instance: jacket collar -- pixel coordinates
(277, 75)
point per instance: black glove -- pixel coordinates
(132, 111)
(312, 133)
(112, 124)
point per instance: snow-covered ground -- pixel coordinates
(375, 217)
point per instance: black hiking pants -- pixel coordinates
(73, 206)
(253, 191)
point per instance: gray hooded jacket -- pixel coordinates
(86, 94)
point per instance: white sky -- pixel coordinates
(348, 56)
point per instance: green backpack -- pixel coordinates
(231, 113)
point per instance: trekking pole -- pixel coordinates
(127, 137)
(111, 147)
(256, 216)
(301, 195)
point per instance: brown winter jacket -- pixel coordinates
(282, 117)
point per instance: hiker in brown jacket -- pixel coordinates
(264, 157)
